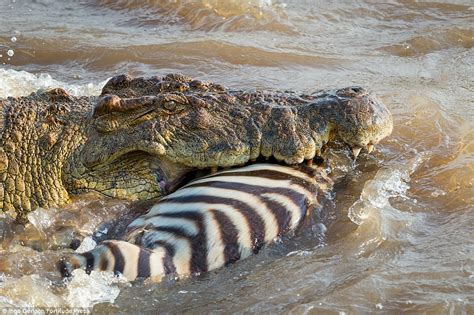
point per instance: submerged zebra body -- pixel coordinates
(209, 223)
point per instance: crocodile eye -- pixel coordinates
(173, 103)
(170, 105)
(173, 106)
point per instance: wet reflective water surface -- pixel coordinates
(400, 234)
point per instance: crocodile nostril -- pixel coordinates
(116, 83)
(355, 89)
(120, 80)
(350, 91)
(107, 104)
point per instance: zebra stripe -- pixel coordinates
(181, 253)
(269, 171)
(256, 204)
(245, 180)
(143, 268)
(292, 198)
(158, 222)
(209, 223)
(158, 265)
(306, 176)
(214, 243)
(230, 237)
(254, 222)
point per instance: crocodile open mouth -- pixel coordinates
(143, 175)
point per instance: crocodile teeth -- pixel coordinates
(309, 162)
(355, 152)
(213, 169)
(370, 148)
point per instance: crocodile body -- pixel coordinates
(142, 136)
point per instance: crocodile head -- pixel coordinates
(145, 135)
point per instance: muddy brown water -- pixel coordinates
(400, 234)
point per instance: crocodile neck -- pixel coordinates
(37, 138)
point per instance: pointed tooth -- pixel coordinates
(370, 148)
(267, 158)
(309, 162)
(318, 152)
(213, 169)
(253, 160)
(355, 152)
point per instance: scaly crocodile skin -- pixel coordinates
(143, 135)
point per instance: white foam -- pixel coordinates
(98, 287)
(41, 218)
(16, 292)
(82, 291)
(87, 244)
(22, 83)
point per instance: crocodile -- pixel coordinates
(141, 137)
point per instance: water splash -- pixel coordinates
(83, 291)
(21, 83)
(386, 184)
(28, 256)
(390, 181)
(87, 290)
(378, 220)
(16, 293)
(41, 219)
(87, 244)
